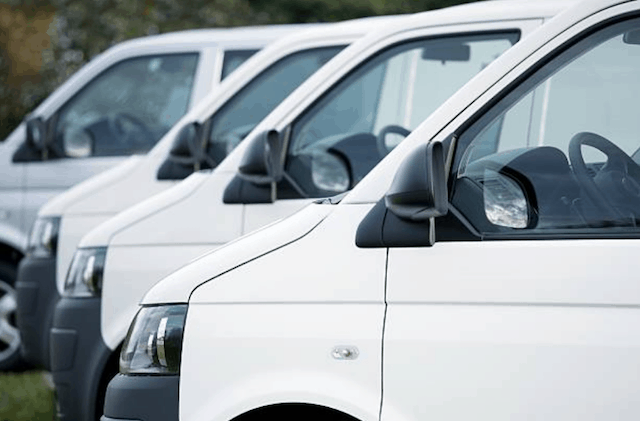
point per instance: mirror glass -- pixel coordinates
(504, 201)
(329, 172)
(77, 143)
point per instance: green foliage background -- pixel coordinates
(77, 30)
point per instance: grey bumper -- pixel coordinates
(37, 296)
(144, 398)
(81, 362)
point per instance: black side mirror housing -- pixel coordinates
(419, 189)
(185, 156)
(259, 171)
(36, 133)
(418, 194)
(261, 163)
(186, 145)
(35, 147)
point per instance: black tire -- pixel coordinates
(10, 358)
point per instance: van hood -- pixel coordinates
(101, 235)
(62, 202)
(177, 287)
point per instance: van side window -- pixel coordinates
(233, 59)
(128, 107)
(560, 152)
(337, 141)
(251, 104)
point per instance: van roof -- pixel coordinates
(472, 12)
(270, 32)
(484, 11)
(216, 35)
(480, 12)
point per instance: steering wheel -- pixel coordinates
(130, 130)
(383, 150)
(619, 169)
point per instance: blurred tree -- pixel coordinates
(304, 11)
(23, 38)
(43, 42)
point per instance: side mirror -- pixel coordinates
(419, 189)
(78, 143)
(330, 172)
(187, 154)
(36, 134)
(36, 146)
(186, 146)
(261, 163)
(389, 137)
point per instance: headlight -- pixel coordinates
(84, 278)
(43, 240)
(154, 342)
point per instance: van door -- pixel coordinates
(333, 144)
(123, 111)
(527, 305)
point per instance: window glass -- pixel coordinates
(238, 116)
(558, 152)
(357, 122)
(233, 59)
(128, 107)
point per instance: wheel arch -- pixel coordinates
(275, 394)
(10, 252)
(109, 369)
(295, 411)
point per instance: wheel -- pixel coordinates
(10, 358)
(383, 148)
(615, 189)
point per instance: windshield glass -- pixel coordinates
(365, 115)
(560, 152)
(233, 59)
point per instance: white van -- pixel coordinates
(121, 103)
(486, 269)
(336, 122)
(65, 219)
(200, 140)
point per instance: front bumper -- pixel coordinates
(37, 296)
(144, 398)
(81, 362)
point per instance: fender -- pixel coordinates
(311, 388)
(281, 353)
